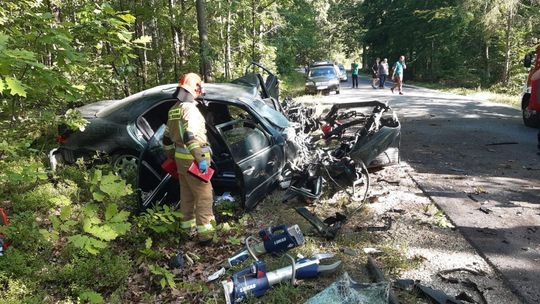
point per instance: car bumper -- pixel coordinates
(316, 89)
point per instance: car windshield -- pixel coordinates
(341, 68)
(273, 116)
(322, 71)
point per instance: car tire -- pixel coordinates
(125, 163)
(530, 119)
(387, 158)
(337, 91)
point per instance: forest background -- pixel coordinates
(74, 237)
(55, 53)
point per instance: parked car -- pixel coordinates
(530, 103)
(342, 72)
(323, 78)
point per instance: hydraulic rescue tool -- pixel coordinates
(254, 280)
(273, 240)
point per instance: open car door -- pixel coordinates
(154, 184)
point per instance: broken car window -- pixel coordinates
(242, 134)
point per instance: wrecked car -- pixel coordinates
(259, 144)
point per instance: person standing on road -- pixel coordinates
(383, 72)
(375, 73)
(354, 73)
(185, 135)
(397, 74)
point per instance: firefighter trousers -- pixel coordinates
(196, 197)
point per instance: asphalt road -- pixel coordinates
(477, 161)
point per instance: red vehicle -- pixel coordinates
(530, 102)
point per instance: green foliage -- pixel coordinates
(74, 120)
(160, 219)
(165, 277)
(14, 291)
(91, 297)
(293, 84)
(104, 273)
(441, 220)
(108, 187)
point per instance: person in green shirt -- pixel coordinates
(397, 74)
(354, 72)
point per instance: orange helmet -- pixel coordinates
(192, 83)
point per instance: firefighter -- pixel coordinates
(186, 134)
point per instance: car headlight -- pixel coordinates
(309, 83)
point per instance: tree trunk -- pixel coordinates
(203, 40)
(253, 30)
(488, 65)
(155, 45)
(228, 42)
(508, 44)
(175, 39)
(364, 57)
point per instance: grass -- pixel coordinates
(292, 84)
(494, 95)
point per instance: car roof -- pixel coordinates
(322, 63)
(213, 91)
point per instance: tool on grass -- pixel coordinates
(273, 240)
(255, 281)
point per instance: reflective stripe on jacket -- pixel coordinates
(186, 128)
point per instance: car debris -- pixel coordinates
(434, 295)
(378, 277)
(503, 143)
(327, 228)
(177, 261)
(345, 290)
(255, 280)
(387, 220)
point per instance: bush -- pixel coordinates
(104, 273)
(292, 84)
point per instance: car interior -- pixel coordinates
(232, 133)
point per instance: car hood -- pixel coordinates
(321, 78)
(90, 110)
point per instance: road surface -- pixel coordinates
(477, 162)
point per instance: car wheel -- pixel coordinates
(530, 118)
(125, 163)
(337, 91)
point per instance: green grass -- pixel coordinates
(496, 94)
(292, 84)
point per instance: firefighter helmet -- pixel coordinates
(192, 83)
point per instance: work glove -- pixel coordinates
(203, 166)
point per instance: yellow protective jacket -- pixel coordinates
(185, 135)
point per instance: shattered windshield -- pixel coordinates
(275, 117)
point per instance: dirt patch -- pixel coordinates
(401, 227)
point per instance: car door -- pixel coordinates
(256, 156)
